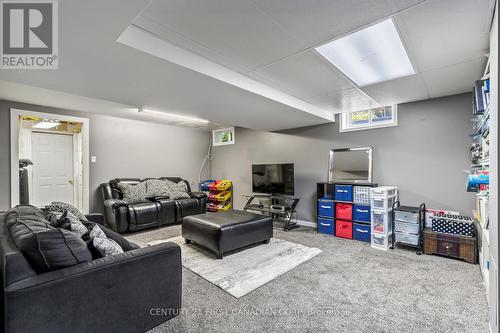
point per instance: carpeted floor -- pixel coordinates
(347, 288)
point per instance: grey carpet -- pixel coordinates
(245, 270)
(347, 288)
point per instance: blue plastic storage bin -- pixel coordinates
(326, 226)
(361, 213)
(343, 192)
(326, 208)
(361, 232)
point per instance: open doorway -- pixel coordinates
(49, 159)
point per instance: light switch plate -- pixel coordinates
(93, 159)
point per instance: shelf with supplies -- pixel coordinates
(343, 210)
(219, 194)
(478, 179)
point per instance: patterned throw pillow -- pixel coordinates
(96, 231)
(134, 193)
(106, 246)
(62, 207)
(178, 191)
(69, 221)
(157, 188)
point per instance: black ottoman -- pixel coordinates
(226, 231)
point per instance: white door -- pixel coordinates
(52, 168)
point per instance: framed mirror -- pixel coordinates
(350, 165)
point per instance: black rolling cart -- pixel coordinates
(408, 224)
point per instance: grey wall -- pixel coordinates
(124, 148)
(424, 155)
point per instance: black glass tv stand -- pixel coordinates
(280, 208)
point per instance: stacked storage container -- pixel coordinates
(326, 215)
(382, 199)
(344, 210)
(407, 225)
(361, 213)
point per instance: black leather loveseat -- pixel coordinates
(154, 212)
(118, 293)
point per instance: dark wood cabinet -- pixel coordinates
(454, 246)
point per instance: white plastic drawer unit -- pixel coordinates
(382, 204)
(407, 227)
(384, 191)
(381, 242)
(381, 223)
(405, 238)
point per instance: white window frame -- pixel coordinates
(346, 126)
(217, 132)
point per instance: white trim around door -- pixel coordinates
(14, 151)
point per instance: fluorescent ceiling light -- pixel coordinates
(374, 54)
(173, 116)
(46, 124)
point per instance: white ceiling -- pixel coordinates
(271, 43)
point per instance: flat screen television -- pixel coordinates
(273, 178)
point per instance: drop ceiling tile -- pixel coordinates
(454, 79)
(346, 100)
(402, 90)
(303, 75)
(236, 29)
(316, 22)
(442, 32)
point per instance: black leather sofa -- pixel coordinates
(155, 212)
(110, 294)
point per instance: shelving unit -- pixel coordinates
(478, 180)
(219, 194)
(282, 218)
(344, 210)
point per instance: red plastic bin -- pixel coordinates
(343, 211)
(343, 229)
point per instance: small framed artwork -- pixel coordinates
(222, 137)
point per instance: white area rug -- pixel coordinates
(242, 272)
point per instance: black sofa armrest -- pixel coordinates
(96, 218)
(101, 298)
(116, 212)
(159, 197)
(197, 195)
(115, 203)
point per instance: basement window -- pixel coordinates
(369, 119)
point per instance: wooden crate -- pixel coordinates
(454, 246)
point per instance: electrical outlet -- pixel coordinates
(93, 159)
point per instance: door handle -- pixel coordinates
(71, 181)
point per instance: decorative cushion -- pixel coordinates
(99, 244)
(27, 225)
(106, 246)
(69, 221)
(178, 191)
(96, 231)
(157, 187)
(62, 207)
(54, 249)
(134, 193)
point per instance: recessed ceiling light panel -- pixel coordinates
(173, 116)
(374, 54)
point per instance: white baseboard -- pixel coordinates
(306, 223)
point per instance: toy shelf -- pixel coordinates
(219, 193)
